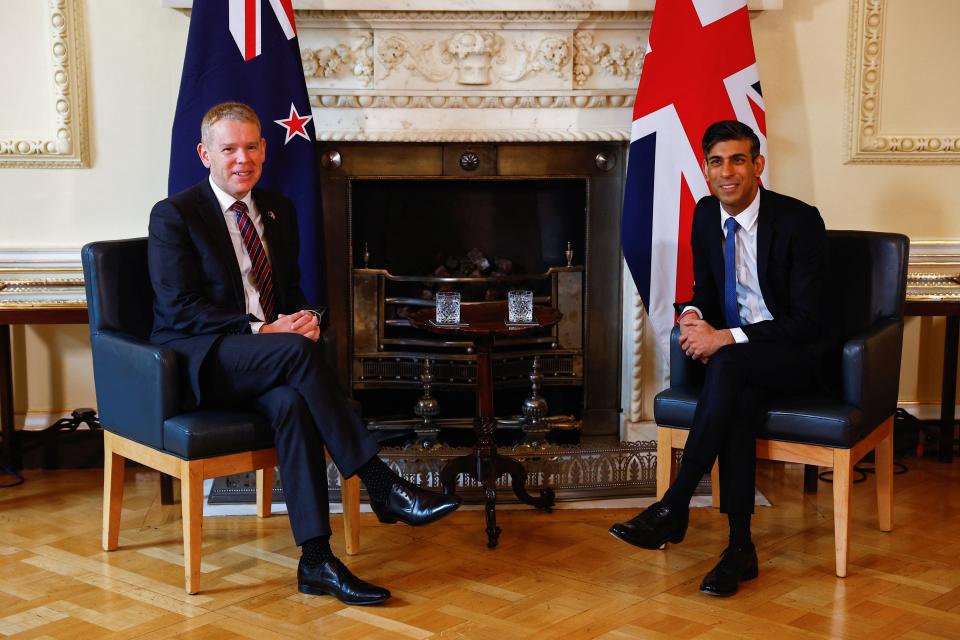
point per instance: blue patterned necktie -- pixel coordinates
(731, 311)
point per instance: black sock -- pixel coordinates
(739, 530)
(681, 491)
(317, 550)
(378, 478)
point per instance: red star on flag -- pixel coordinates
(295, 124)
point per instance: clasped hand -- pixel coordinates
(699, 340)
(302, 322)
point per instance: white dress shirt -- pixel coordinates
(749, 298)
(250, 292)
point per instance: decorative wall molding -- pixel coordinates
(68, 145)
(502, 6)
(867, 142)
(934, 255)
(473, 135)
(553, 100)
(635, 410)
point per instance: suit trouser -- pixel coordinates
(740, 379)
(285, 377)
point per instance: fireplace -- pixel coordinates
(395, 212)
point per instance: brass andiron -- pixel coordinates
(569, 254)
(427, 408)
(534, 410)
(366, 255)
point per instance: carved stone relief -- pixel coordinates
(67, 145)
(617, 61)
(341, 59)
(475, 57)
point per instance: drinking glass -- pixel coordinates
(448, 307)
(520, 307)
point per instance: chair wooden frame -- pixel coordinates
(838, 459)
(191, 474)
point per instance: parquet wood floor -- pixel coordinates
(556, 575)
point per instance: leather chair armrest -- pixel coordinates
(684, 371)
(136, 386)
(871, 370)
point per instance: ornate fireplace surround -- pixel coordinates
(499, 72)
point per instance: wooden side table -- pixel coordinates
(10, 314)
(917, 305)
(483, 322)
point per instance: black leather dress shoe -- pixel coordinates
(736, 565)
(656, 525)
(332, 578)
(409, 503)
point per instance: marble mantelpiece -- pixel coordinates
(462, 70)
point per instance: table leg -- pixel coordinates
(948, 395)
(6, 397)
(484, 464)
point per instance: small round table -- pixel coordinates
(483, 322)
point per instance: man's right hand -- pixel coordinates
(302, 322)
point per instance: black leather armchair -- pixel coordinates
(138, 384)
(866, 289)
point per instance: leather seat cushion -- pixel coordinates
(805, 419)
(202, 434)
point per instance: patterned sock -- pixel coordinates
(378, 478)
(740, 530)
(317, 550)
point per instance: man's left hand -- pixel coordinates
(306, 324)
(699, 340)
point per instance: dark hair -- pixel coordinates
(730, 130)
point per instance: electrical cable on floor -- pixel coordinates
(862, 470)
(18, 478)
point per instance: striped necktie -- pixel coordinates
(259, 264)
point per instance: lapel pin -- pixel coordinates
(271, 215)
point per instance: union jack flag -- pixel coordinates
(699, 68)
(248, 51)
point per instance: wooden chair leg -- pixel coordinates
(883, 457)
(715, 485)
(842, 471)
(265, 492)
(112, 494)
(664, 461)
(350, 497)
(191, 500)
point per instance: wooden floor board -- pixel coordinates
(554, 576)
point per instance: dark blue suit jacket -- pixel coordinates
(791, 265)
(196, 278)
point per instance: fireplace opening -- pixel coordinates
(402, 221)
(410, 226)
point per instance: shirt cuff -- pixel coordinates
(255, 326)
(739, 336)
(689, 309)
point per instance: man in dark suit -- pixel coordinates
(756, 322)
(223, 263)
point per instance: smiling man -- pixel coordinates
(223, 264)
(756, 322)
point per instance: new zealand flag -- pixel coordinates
(247, 51)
